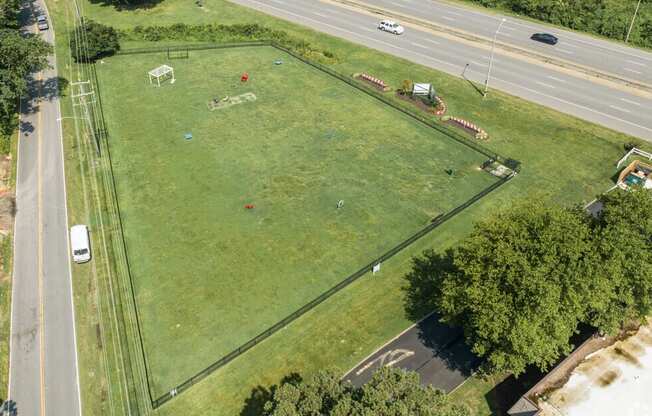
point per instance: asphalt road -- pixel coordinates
(435, 351)
(43, 374)
(605, 56)
(618, 108)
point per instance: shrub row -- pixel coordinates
(226, 33)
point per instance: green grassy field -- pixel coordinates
(208, 274)
(564, 159)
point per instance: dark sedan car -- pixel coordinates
(545, 38)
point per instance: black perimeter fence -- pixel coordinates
(514, 165)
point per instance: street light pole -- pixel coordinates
(491, 59)
(633, 18)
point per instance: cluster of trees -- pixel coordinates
(391, 392)
(609, 18)
(524, 280)
(91, 41)
(20, 54)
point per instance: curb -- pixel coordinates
(500, 45)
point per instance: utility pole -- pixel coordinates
(491, 59)
(633, 18)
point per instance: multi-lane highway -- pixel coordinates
(601, 55)
(610, 104)
(43, 375)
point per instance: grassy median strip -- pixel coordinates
(564, 159)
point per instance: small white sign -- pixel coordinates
(376, 268)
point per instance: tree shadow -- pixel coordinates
(448, 344)
(121, 5)
(53, 87)
(423, 280)
(475, 87)
(9, 408)
(255, 403)
(506, 393)
(26, 128)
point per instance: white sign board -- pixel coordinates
(376, 268)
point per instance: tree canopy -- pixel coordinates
(390, 392)
(92, 41)
(525, 278)
(19, 55)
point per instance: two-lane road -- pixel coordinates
(43, 374)
(618, 108)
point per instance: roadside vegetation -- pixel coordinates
(390, 392)
(19, 56)
(526, 278)
(568, 159)
(609, 18)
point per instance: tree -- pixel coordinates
(92, 41)
(19, 56)
(391, 392)
(9, 13)
(623, 284)
(519, 285)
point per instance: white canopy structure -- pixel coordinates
(162, 72)
(423, 90)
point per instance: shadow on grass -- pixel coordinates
(506, 393)
(255, 403)
(475, 87)
(128, 5)
(423, 282)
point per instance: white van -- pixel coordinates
(80, 244)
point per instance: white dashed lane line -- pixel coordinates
(631, 102)
(418, 45)
(544, 84)
(636, 63)
(619, 109)
(633, 71)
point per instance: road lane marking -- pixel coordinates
(544, 84)
(565, 51)
(418, 45)
(636, 63)
(632, 71)
(450, 19)
(434, 42)
(631, 102)
(320, 15)
(478, 63)
(39, 254)
(557, 79)
(454, 13)
(619, 109)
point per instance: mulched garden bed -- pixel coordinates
(418, 103)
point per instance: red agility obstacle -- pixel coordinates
(244, 77)
(249, 206)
